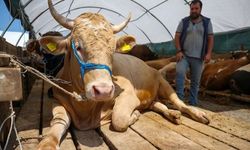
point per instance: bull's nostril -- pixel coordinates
(97, 92)
(102, 90)
(111, 90)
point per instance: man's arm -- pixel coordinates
(210, 42)
(177, 41)
(210, 45)
(179, 52)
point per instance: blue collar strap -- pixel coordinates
(88, 66)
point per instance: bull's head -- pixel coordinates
(92, 44)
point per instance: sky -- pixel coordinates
(13, 33)
(6, 19)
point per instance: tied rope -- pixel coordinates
(88, 66)
(14, 60)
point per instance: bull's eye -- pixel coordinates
(78, 48)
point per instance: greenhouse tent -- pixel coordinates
(153, 21)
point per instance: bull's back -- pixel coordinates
(133, 69)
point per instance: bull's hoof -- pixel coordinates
(199, 116)
(136, 115)
(48, 143)
(204, 119)
(174, 116)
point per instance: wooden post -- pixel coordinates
(10, 84)
(2, 44)
(4, 60)
(4, 109)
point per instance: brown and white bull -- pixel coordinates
(115, 96)
(216, 76)
(240, 80)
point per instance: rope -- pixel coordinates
(14, 60)
(12, 125)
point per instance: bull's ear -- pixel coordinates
(54, 44)
(32, 45)
(125, 43)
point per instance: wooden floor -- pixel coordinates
(150, 132)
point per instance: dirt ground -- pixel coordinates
(225, 106)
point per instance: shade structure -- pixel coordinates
(153, 22)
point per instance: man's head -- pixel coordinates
(195, 9)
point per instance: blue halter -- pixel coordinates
(87, 66)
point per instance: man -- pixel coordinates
(194, 43)
(53, 63)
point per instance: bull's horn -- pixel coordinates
(120, 27)
(65, 22)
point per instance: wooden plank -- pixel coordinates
(128, 140)
(230, 125)
(202, 139)
(233, 109)
(89, 140)
(11, 49)
(245, 98)
(27, 121)
(67, 142)
(4, 60)
(217, 134)
(161, 136)
(10, 84)
(236, 127)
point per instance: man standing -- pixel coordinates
(194, 43)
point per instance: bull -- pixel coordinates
(216, 76)
(240, 80)
(116, 86)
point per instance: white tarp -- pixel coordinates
(153, 21)
(12, 37)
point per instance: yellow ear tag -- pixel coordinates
(51, 46)
(125, 48)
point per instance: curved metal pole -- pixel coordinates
(155, 18)
(68, 12)
(13, 19)
(7, 27)
(148, 11)
(83, 8)
(20, 38)
(88, 7)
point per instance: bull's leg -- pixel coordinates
(124, 113)
(172, 115)
(167, 93)
(59, 125)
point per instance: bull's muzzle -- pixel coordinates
(101, 91)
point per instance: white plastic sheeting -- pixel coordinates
(153, 21)
(12, 37)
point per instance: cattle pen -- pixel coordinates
(228, 129)
(109, 69)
